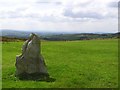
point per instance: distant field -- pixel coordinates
(74, 64)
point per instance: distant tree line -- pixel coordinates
(70, 37)
(8, 39)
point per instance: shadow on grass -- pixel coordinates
(36, 77)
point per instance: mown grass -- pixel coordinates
(74, 64)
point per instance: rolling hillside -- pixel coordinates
(58, 36)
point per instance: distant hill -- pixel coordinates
(83, 36)
(22, 35)
(15, 34)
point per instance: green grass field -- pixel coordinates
(74, 64)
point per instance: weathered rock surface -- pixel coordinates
(30, 64)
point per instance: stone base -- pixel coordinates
(33, 76)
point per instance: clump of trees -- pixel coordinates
(8, 39)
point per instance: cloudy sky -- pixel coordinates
(60, 15)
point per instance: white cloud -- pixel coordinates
(62, 15)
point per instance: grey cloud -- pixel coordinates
(39, 2)
(113, 4)
(119, 4)
(35, 16)
(43, 2)
(10, 14)
(85, 4)
(93, 15)
(17, 13)
(58, 3)
(44, 18)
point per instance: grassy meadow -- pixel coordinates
(74, 64)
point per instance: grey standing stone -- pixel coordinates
(30, 64)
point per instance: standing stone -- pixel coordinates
(30, 64)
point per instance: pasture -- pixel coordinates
(73, 64)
